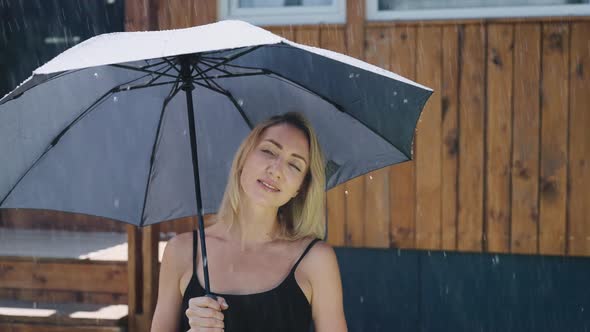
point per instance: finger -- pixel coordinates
(204, 312)
(204, 302)
(205, 322)
(222, 302)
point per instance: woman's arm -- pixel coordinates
(326, 298)
(166, 316)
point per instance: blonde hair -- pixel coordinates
(303, 215)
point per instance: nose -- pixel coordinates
(274, 169)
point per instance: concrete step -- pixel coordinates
(21, 316)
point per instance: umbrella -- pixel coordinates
(141, 127)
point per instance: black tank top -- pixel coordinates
(283, 308)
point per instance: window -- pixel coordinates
(281, 12)
(457, 9)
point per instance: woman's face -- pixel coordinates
(275, 169)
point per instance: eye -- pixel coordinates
(295, 166)
(268, 152)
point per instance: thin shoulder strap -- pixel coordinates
(303, 255)
(195, 242)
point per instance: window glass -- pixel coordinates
(282, 3)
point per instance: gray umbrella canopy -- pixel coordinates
(102, 129)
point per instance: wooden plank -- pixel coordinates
(402, 185)
(137, 15)
(202, 11)
(12, 327)
(471, 129)
(376, 217)
(333, 38)
(283, 31)
(134, 276)
(450, 136)
(579, 142)
(60, 296)
(355, 28)
(308, 35)
(336, 214)
(355, 217)
(63, 274)
(62, 314)
(376, 196)
(499, 137)
(554, 125)
(525, 142)
(428, 142)
(48, 219)
(150, 236)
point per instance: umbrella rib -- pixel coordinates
(207, 62)
(292, 83)
(171, 95)
(141, 70)
(228, 94)
(200, 73)
(56, 140)
(249, 50)
(172, 65)
(58, 137)
(282, 78)
(155, 64)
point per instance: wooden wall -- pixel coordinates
(502, 151)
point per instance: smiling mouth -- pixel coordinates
(268, 186)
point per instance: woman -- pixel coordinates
(267, 267)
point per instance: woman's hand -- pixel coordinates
(204, 314)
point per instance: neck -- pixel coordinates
(255, 225)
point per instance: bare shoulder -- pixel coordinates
(319, 261)
(321, 253)
(178, 251)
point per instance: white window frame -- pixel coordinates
(336, 13)
(374, 14)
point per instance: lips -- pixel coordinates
(268, 185)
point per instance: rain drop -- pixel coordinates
(429, 253)
(495, 259)
(581, 309)
(514, 276)
(115, 99)
(346, 192)
(95, 74)
(128, 88)
(370, 177)
(444, 253)
(362, 299)
(399, 252)
(405, 101)
(351, 75)
(395, 93)
(447, 289)
(116, 203)
(184, 133)
(240, 102)
(357, 75)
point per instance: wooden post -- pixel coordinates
(134, 278)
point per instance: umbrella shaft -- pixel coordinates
(188, 88)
